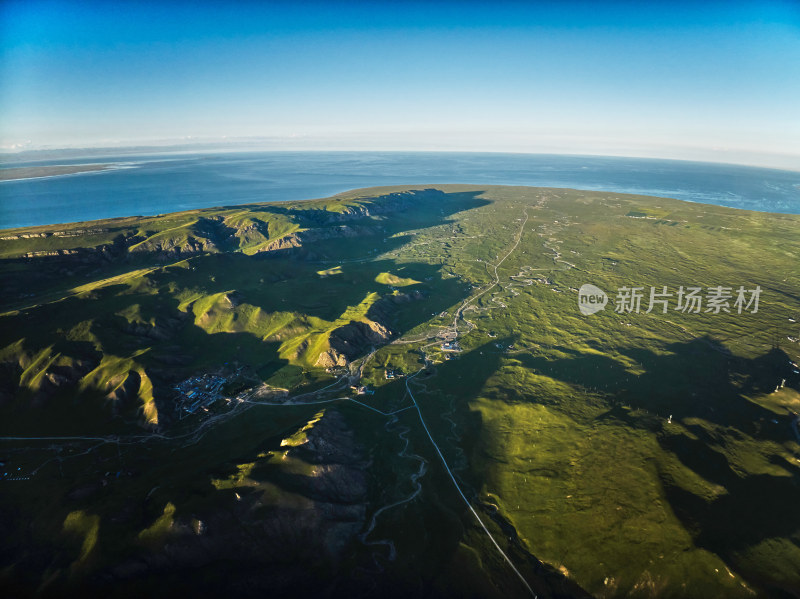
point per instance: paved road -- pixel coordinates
(458, 488)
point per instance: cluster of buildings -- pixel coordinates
(199, 393)
(450, 346)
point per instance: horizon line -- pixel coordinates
(241, 144)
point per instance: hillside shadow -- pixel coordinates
(699, 378)
(289, 279)
(296, 285)
(385, 203)
(144, 320)
(702, 386)
(30, 279)
(460, 433)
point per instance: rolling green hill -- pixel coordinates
(298, 398)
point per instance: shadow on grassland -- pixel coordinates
(703, 386)
(216, 308)
(458, 431)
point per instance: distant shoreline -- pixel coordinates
(38, 172)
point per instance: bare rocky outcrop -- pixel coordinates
(45, 234)
(79, 232)
(330, 358)
(354, 338)
(24, 236)
(50, 253)
(290, 243)
(101, 254)
(282, 243)
(170, 249)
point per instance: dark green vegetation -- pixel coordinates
(645, 455)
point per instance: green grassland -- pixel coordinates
(612, 455)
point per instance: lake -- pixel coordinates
(160, 183)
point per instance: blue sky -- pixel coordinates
(694, 80)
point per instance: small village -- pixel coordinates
(201, 392)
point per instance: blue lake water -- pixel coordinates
(156, 184)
